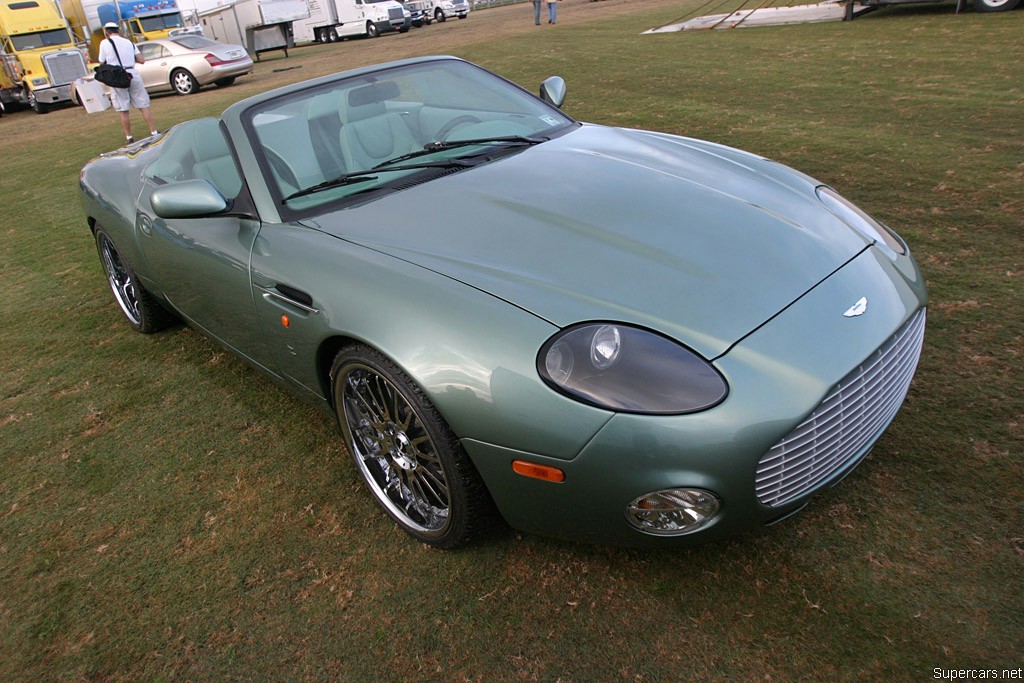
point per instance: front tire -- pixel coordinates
(371, 30)
(404, 451)
(183, 83)
(143, 312)
(37, 106)
(995, 5)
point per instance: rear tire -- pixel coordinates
(439, 16)
(140, 308)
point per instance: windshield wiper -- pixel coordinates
(371, 174)
(432, 147)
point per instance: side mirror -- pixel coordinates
(187, 199)
(552, 91)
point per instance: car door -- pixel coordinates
(155, 71)
(201, 265)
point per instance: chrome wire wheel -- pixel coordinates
(119, 277)
(394, 452)
(144, 312)
(405, 452)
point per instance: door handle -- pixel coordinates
(290, 296)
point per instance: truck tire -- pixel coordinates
(332, 35)
(37, 106)
(995, 5)
(439, 16)
(371, 30)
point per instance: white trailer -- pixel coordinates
(259, 25)
(331, 20)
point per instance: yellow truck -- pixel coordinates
(140, 20)
(39, 59)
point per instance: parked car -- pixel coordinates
(605, 334)
(183, 64)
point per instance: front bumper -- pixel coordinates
(778, 376)
(53, 95)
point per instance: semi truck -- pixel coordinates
(331, 20)
(139, 21)
(39, 58)
(442, 10)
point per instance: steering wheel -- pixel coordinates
(447, 128)
(281, 168)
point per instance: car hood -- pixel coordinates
(701, 242)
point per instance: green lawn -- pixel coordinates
(167, 513)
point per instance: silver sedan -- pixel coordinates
(185, 63)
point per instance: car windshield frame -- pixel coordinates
(523, 115)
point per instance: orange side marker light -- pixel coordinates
(285, 321)
(535, 471)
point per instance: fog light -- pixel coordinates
(673, 512)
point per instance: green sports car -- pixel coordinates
(595, 333)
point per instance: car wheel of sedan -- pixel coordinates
(142, 310)
(183, 82)
(405, 452)
(995, 5)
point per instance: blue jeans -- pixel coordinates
(552, 12)
(536, 12)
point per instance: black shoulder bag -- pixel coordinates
(114, 76)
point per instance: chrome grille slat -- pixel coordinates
(64, 67)
(805, 436)
(846, 421)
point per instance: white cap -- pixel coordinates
(110, 24)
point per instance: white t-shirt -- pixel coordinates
(126, 50)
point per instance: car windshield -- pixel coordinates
(352, 137)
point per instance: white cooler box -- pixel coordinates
(92, 95)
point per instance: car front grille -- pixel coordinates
(850, 418)
(64, 67)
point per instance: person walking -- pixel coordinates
(552, 11)
(536, 12)
(118, 51)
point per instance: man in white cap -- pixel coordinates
(119, 51)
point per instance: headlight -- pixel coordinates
(628, 369)
(850, 214)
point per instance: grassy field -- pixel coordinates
(167, 513)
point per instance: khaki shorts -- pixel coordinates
(135, 95)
